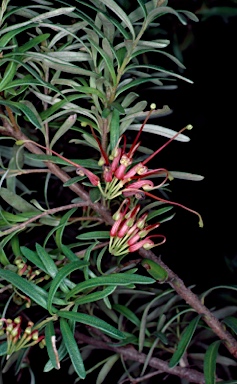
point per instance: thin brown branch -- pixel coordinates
(191, 299)
(45, 213)
(131, 353)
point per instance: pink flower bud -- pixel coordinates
(145, 243)
(91, 176)
(107, 174)
(116, 159)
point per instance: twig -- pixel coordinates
(191, 299)
(130, 353)
(45, 213)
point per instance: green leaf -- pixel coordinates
(106, 368)
(127, 313)
(120, 13)
(33, 42)
(158, 212)
(114, 279)
(50, 340)
(95, 296)
(72, 349)
(184, 342)
(159, 130)
(94, 235)
(68, 253)
(47, 261)
(114, 129)
(108, 61)
(91, 90)
(3, 348)
(142, 5)
(26, 111)
(231, 322)
(70, 121)
(62, 352)
(62, 225)
(33, 291)
(155, 270)
(210, 362)
(161, 11)
(59, 278)
(158, 69)
(39, 18)
(93, 321)
(16, 201)
(33, 258)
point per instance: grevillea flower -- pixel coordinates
(17, 338)
(129, 233)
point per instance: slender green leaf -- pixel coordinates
(72, 349)
(3, 348)
(93, 321)
(158, 130)
(155, 270)
(231, 322)
(23, 108)
(68, 253)
(39, 18)
(184, 342)
(59, 278)
(114, 279)
(114, 129)
(70, 121)
(62, 225)
(61, 353)
(50, 340)
(16, 201)
(108, 61)
(33, 258)
(47, 261)
(95, 296)
(120, 13)
(106, 368)
(33, 291)
(162, 11)
(127, 313)
(94, 235)
(210, 362)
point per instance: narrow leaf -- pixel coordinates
(210, 362)
(59, 278)
(94, 235)
(184, 342)
(72, 349)
(51, 345)
(113, 279)
(93, 321)
(33, 291)
(16, 201)
(114, 129)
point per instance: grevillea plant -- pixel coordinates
(80, 207)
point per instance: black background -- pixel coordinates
(199, 255)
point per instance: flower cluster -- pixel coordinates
(16, 337)
(124, 176)
(129, 232)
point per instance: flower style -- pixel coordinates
(129, 233)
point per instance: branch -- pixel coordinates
(45, 213)
(191, 299)
(130, 353)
